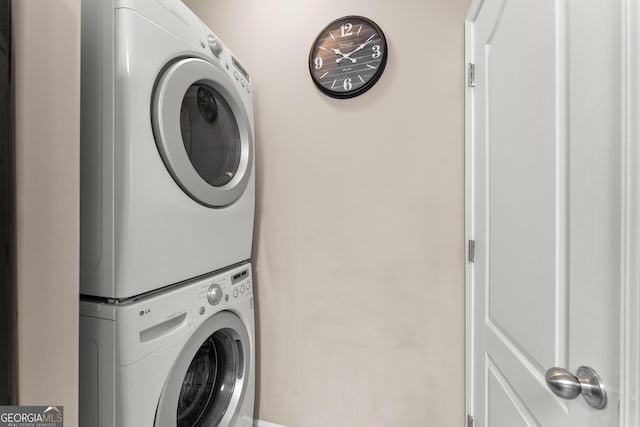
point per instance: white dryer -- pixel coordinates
(167, 164)
(183, 357)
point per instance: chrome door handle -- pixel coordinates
(586, 382)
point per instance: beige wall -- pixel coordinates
(359, 250)
(47, 93)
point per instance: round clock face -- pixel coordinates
(348, 57)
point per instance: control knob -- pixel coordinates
(214, 294)
(215, 45)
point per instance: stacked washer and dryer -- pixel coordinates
(167, 205)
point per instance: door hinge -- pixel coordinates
(471, 74)
(471, 422)
(471, 251)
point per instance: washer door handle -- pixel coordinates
(586, 382)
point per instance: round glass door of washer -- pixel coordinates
(208, 379)
(202, 131)
(208, 385)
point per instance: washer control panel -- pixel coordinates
(227, 289)
(240, 284)
(240, 276)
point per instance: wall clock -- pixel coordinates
(348, 57)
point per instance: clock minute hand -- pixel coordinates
(361, 46)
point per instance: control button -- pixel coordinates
(248, 88)
(215, 45)
(242, 289)
(202, 43)
(236, 75)
(243, 82)
(235, 293)
(201, 311)
(214, 294)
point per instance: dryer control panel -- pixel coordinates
(240, 74)
(211, 43)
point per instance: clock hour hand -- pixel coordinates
(343, 56)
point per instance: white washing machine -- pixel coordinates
(167, 165)
(183, 357)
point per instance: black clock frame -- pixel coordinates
(366, 86)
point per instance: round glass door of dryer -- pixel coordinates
(203, 132)
(207, 381)
(210, 135)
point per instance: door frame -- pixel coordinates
(630, 221)
(630, 304)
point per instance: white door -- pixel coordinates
(545, 200)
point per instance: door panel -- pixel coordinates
(521, 200)
(505, 407)
(595, 152)
(546, 207)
